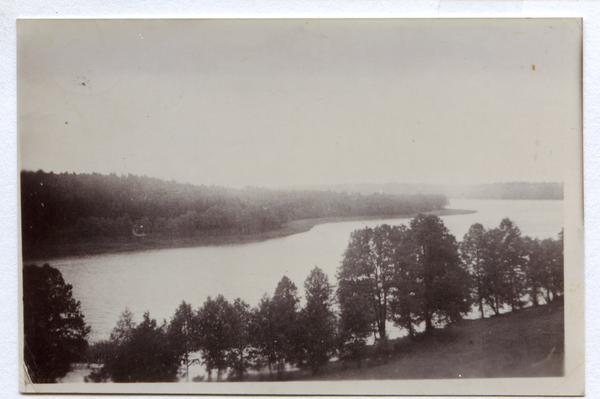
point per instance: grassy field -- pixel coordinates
(525, 343)
(102, 246)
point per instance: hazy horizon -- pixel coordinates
(273, 103)
(301, 186)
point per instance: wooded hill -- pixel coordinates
(60, 209)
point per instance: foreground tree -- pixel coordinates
(534, 267)
(444, 286)
(182, 335)
(286, 337)
(543, 268)
(147, 355)
(138, 353)
(213, 333)
(123, 331)
(355, 324)
(512, 260)
(317, 321)
(557, 267)
(404, 305)
(262, 333)
(474, 254)
(54, 328)
(105, 352)
(365, 278)
(238, 319)
(377, 282)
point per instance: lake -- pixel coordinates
(157, 281)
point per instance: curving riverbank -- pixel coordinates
(105, 246)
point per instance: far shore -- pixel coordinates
(97, 247)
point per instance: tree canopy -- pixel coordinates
(407, 275)
(317, 322)
(55, 333)
(444, 288)
(182, 334)
(474, 254)
(137, 353)
(507, 269)
(365, 279)
(284, 307)
(214, 334)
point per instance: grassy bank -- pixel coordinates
(104, 246)
(525, 343)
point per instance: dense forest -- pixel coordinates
(417, 277)
(506, 191)
(62, 209)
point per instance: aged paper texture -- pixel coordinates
(208, 195)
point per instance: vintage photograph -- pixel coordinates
(301, 206)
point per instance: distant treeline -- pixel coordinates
(516, 190)
(59, 208)
(513, 190)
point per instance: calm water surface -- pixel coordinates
(157, 281)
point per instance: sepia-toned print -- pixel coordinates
(289, 206)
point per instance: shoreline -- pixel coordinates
(157, 243)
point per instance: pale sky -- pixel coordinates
(289, 102)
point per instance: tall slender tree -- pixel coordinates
(543, 268)
(365, 278)
(238, 318)
(404, 300)
(286, 339)
(262, 335)
(534, 265)
(124, 328)
(512, 258)
(182, 335)
(317, 321)
(356, 321)
(213, 332)
(557, 268)
(473, 251)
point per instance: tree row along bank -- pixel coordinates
(417, 277)
(82, 214)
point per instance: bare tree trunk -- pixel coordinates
(270, 370)
(382, 333)
(534, 295)
(495, 307)
(411, 330)
(428, 324)
(187, 366)
(481, 307)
